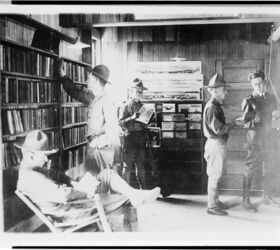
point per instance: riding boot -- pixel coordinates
(246, 195)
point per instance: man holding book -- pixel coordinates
(103, 128)
(135, 139)
(55, 193)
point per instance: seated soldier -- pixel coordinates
(51, 190)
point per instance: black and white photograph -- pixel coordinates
(140, 125)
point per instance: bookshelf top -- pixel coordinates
(36, 24)
(75, 61)
(13, 43)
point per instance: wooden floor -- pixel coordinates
(182, 213)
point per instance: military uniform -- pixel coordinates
(216, 130)
(102, 126)
(260, 141)
(134, 141)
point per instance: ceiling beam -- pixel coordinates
(187, 22)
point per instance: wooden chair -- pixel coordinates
(99, 218)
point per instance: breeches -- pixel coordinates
(98, 159)
(214, 155)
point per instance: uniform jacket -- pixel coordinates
(214, 122)
(257, 117)
(102, 114)
(126, 110)
(52, 192)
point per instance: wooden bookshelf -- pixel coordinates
(43, 95)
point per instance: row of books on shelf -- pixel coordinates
(18, 121)
(25, 61)
(12, 155)
(16, 90)
(74, 115)
(75, 72)
(67, 98)
(75, 157)
(73, 136)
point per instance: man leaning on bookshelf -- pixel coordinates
(102, 123)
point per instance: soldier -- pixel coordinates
(103, 128)
(135, 133)
(53, 191)
(217, 131)
(258, 109)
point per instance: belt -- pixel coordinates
(92, 136)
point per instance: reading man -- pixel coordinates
(135, 133)
(216, 130)
(52, 190)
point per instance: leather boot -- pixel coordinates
(246, 195)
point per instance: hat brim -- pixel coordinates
(47, 152)
(216, 86)
(141, 88)
(101, 77)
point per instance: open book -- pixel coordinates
(145, 115)
(87, 182)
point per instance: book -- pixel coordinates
(1, 57)
(145, 115)
(10, 122)
(87, 182)
(25, 61)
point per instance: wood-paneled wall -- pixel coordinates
(207, 43)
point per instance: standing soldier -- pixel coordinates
(103, 128)
(135, 133)
(216, 130)
(258, 110)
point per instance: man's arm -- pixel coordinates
(214, 122)
(84, 96)
(249, 115)
(125, 117)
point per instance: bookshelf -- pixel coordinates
(33, 98)
(73, 117)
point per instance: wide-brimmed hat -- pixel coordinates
(216, 81)
(36, 141)
(102, 72)
(138, 84)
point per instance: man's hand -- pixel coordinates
(275, 114)
(233, 124)
(135, 116)
(257, 117)
(62, 68)
(91, 192)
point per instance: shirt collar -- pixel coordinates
(99, 95)
(257, 95)
(215, 101)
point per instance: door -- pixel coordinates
(235, 73)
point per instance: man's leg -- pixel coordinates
(111, 180)
(215, 156)
(129, 153)
(140, 168)
(254, 161)
(125, 203)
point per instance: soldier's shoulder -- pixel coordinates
(248, 99)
